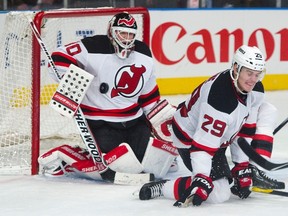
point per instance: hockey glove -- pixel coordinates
(160, 118)
(242, 175)
(198, 192)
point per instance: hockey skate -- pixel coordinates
(261, 180)
(151, 190)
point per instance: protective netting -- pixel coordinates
(16, 79)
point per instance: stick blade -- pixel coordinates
(258, 159)
(133, 179)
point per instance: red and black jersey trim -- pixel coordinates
(248, 130)
(180, 134)
(187, 140)
(180, 186)
(263, 144)
(149, 98)
(92, 111)
(62, 59)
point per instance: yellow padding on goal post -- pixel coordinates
(21, 97)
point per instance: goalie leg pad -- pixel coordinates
(122, 159)
(159, 157)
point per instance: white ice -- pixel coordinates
(42, 196)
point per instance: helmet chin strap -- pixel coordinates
(238, 89)
(235, 80)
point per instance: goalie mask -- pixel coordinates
(249, 57)
(122, 30)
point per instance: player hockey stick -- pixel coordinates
(253, 155)
(258, 159)
(281, 125)
(269, 191)
(106, 173)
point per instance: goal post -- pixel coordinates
(28, 125)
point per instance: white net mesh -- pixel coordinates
(16, 63)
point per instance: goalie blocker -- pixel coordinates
(71, 91)
(68, 160)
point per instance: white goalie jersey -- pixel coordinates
(121, 90)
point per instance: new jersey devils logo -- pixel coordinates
(126, 22)
(129, 81)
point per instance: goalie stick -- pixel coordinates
(106, 173)
(253, 155)
(282, 124)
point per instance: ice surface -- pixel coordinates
(42, 196)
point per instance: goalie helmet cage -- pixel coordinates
(28, 125)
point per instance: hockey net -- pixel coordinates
(28, 126)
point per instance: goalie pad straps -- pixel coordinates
(160, 118)
(71, 91)
(121, 159)
(158, 157)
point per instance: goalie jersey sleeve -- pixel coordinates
(122, 88)
(212, 116)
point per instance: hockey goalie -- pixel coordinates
(159, 157)
(121, 104)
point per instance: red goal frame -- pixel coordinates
(36, 70)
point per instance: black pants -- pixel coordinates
(220, 167)
(109, 135)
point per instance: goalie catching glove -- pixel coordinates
(160, 117)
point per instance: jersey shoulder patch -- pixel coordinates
(98, 44)
(141, 47)
(222, 95)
